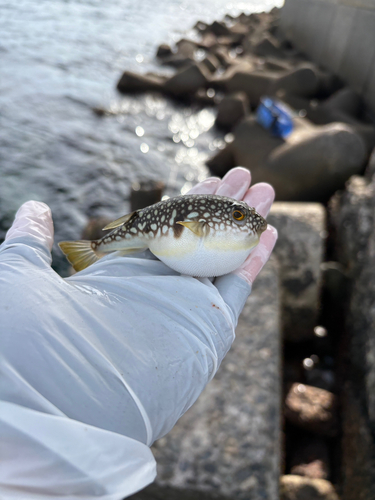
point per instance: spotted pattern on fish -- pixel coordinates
(193, 234)
(213, 210)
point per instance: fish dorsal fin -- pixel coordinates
(195, 226)
(119, 222)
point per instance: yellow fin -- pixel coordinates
(195, 226)
(79, 253)
(119, 222)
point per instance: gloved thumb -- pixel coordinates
(33, 227)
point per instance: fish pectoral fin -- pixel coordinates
(119, 222)
(194, 225)
(79, 253)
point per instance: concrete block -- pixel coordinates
(299, 250)
(360, 50)
(287, 17)
(369, 90)
(302, 27)
(338, 39)
(324, 17)
(228, 443)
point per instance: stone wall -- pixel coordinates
(339, 35)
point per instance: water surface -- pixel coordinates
(59, 59)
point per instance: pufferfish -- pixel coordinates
(202, 235)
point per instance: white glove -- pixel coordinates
(96, 367)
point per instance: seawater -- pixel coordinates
(60, 59)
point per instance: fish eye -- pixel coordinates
(238, 215)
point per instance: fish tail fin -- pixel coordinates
(79, 253)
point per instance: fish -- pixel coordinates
(200, 235)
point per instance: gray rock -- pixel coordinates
(132, 82)
(304, 488)
(228, 443)
(231, 110)
(188, 80)
(302, 80)
(299, 250)
(313, 409)
(164, 50)
(309, 165)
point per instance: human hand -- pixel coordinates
(122, 348)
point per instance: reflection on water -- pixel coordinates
(61, 59)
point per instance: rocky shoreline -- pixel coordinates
(232, 66)
(319, 293)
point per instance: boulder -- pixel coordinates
(231, 110)
(302, 80)
(313, 409)
(228, 443)
(313, 163)
(302, 488)
(267, 46)
(132, 82)
(211, 62)
(164, 50)
(300, 251)
(188, 80)
(252, 145)
(309, 165)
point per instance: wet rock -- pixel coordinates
(211, 62)
(231, 110)
(300, 251)
(302, 488)
(145, 193)
(227, 444)
(251, 147)
(312, 163)
(268, 46)
(132, 82)
(218, 29)
(187, 80)
(302, 80)
(186, 48)
(312, 409)
(164, 50)
(311, 459)
(342, 106)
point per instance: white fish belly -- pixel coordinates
(189, 255)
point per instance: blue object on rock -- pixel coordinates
(274, 116)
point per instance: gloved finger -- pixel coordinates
(208, 186)
(261, 196)
(236, 287)
(34, 219)
(33, 228)
(258, 257)
(235, 183)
